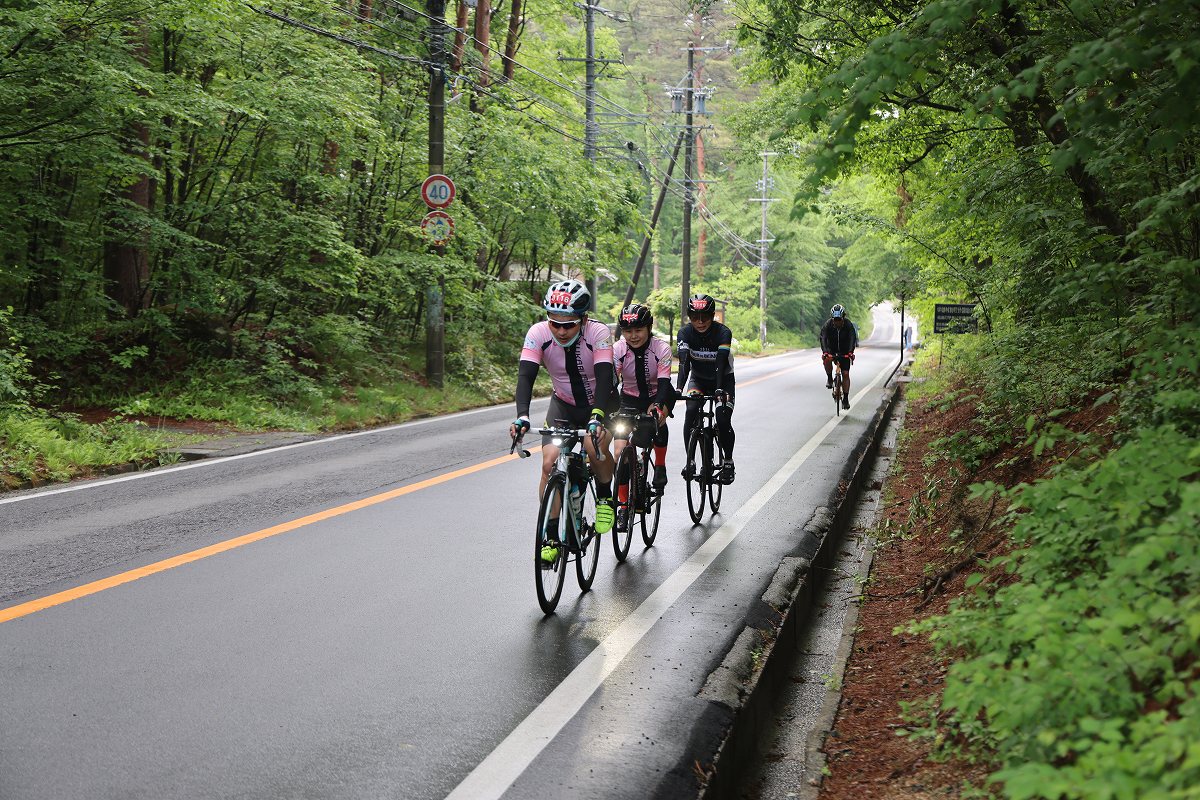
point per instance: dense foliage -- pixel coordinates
(211, 208)
(186, 183)
(1044, 158)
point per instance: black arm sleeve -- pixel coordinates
(528, 371)
(665, 392)
(722, 366)
(685, 366)
(604, 385)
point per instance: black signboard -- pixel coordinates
(954, 318)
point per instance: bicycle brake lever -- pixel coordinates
(523, 453)
(596, 446)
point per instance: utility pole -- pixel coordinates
(689, 96)
(590, 128)
(689, 135)
(658, 204)
(765, 184)
(435, 320)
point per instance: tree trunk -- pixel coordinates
(126, 245)
(483, 18)
(460, 37)
(515, 24)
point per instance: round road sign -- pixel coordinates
(438, 227)
(438, 191)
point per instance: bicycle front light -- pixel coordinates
(557, 442)
(620, 428)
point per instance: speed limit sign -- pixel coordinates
(437, 191)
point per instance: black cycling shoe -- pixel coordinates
(845, 401)
(622, 518)
(660, 477)
(727, 473)
(689, 472)
(829, 383)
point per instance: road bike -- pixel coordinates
(838, 380)
(705, 461)
(633, 468)
(571, 487)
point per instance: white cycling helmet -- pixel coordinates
(837, 311)
(568, 297)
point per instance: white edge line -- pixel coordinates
(496, 773)
(209, 462)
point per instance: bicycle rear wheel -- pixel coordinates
(651, 501)
(715, 487)
(627, 469)
(548, 575)
(588, 555)
(698, 472)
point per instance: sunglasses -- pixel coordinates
(565, 326)
(698, 316)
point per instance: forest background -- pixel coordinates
(211, 214)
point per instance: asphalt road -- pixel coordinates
(354, 617)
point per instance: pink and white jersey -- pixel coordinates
(639, 372)
(572, 369)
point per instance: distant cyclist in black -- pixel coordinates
(839, 337)
(704, 355)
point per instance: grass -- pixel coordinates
(45, 446)
(37, 446)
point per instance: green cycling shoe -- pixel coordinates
(549, 554)
(604, 515)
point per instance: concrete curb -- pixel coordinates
(752, 694)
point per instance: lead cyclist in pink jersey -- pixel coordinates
(577, 352)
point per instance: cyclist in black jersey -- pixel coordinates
(839, 337)
(706, 368)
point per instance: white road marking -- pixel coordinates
(209, 462)
(492, 777)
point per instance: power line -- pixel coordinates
(295, 23)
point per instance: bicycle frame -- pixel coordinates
(567, 440)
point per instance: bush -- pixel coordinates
(1082, 676)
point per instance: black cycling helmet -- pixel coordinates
(568, 297)
(635, 316)
(702, 304)
(837, 311)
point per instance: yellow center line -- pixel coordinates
(66, 596)
(770, 375)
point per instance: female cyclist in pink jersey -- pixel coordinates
(643, 364)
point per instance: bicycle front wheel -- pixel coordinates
(548, 573)
(697, 470)
(837, 394)
(627, 473)
(651, 501)
(715, 487)
(588, 555)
